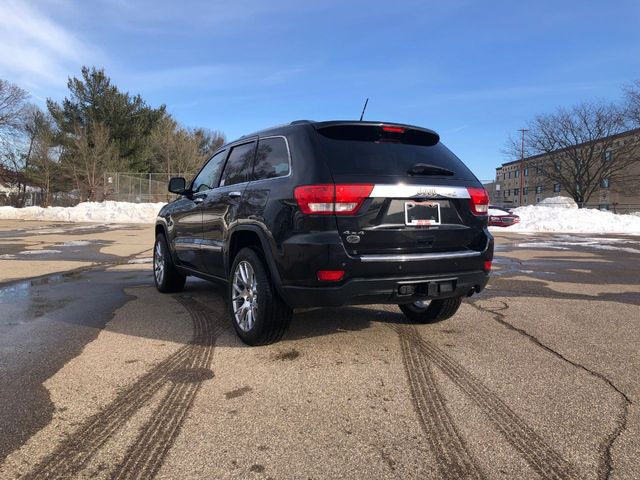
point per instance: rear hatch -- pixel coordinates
(420, 198)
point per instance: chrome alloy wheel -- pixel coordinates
(245, 296)
(158, 263)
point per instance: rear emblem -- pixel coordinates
(427, 192)
(353, 239)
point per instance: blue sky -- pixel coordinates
(473, 71)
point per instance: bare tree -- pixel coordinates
(177, 150)
(13, 102)
(632, 103)
(95, 154)
(580, 148)
(41, 163)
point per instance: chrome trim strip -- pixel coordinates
(418, 191)
(214, 248)
(416, 257)
(412, 257)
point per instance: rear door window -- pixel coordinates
(368, 150)
(272, 158)
(238, 167)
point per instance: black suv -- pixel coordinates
(327, 214)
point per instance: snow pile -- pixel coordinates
(583, 220)
(100, 212)
(558, 202)
(497, 212)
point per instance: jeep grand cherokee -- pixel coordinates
(328, 214)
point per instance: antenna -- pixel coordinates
(364, 108)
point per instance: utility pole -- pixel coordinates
(522, 165)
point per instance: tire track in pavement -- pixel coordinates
(75, 452)
(533, 448)
(452, 456)
(145, 456)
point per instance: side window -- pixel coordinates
(239, 164)
(272, 159)
(209, 175)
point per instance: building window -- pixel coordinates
(557, 166)
(526, 172)
(603, 206)
(537, 199)
(556, 187)
(504, 176)
(509, 174)
(525, 191)
(516, 191)
(517, 173)
(506, 193)
(607, 156)
(538, 189)
(524, 200)
(538, 170)
(604, 183)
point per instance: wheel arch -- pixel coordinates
(251, 236)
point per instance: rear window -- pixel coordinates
(368, 150)
(272, 158)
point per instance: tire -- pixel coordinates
(259, 315)
(165, 275)
(434, 311)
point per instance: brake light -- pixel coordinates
(479, 200)
(387, 128)
(330, 199)
(330, 275)
(487, 265)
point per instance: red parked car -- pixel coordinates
(499, 217)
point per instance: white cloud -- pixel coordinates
(35, 51)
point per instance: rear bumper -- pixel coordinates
(376, 278)
(358, 291)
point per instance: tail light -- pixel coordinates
(330, 199)
(479, 200)
(487, 266)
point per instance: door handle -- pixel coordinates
(235, 194)
(198, 200)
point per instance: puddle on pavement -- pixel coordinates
(512, 266)
(22, 289)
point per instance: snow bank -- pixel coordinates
(569, 220)
(100, 212)
(558, 202)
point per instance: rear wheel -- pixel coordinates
(431, 311)
(165, 275)
(259, 315)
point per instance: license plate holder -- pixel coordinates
(421, 214)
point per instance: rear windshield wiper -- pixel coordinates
(426, 169)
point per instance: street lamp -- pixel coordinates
(522, 165)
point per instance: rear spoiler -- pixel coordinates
(377, 131)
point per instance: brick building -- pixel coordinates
(523, 180)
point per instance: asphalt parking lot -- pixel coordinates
(103, 377)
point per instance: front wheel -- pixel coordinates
(431, 311)
(259, 315)
(165, 275)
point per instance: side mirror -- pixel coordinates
(178, 185)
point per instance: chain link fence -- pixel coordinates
(139, 187)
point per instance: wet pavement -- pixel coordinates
(103, 377)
